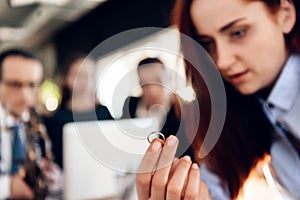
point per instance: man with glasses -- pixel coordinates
(21, 74)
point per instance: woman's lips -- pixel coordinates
(238, 77)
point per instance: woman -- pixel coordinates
(78, 100)
(256, 46)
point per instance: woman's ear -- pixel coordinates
(286, 16)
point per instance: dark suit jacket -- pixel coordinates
(62, 116)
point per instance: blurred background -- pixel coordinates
(57, 28)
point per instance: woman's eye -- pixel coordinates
(207, 45)
(239, 33)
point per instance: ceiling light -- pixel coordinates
(11, 34)
(19, 3)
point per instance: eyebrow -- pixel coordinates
(228, 26)
(224, 28)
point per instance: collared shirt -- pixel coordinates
(6, 140)
(5, 162)
(285, 160)
(285, 91)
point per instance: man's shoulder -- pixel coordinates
(132, 99)
(101, 107)
(103, 112)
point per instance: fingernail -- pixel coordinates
(187, 158)
(171, 141)
(195, 166)
(156, 146)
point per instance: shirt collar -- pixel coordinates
(7, 120)
(287, 85)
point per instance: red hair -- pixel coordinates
(247, 133)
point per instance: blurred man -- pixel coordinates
(21, 74)
(158, 101)
(156, 98)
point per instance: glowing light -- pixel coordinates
(50, 95)
(51, 103)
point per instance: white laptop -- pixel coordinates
(97, 152)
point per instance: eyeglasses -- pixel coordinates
(19, 84)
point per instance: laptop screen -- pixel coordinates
(96, 152)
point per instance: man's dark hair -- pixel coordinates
(147, 61)
(16, 52)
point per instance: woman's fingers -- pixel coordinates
(161, 175)
(174, 165)
(148, 165)
(178, 180)
(192, 190)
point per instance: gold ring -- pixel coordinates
(154, 135)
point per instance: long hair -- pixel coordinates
(64, 71)
(247, 133)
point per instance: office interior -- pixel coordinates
(54, 29)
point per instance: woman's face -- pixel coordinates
(81, 76)
(244, 39)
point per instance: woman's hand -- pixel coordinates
(161, 176)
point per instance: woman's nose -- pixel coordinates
(225, 57)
